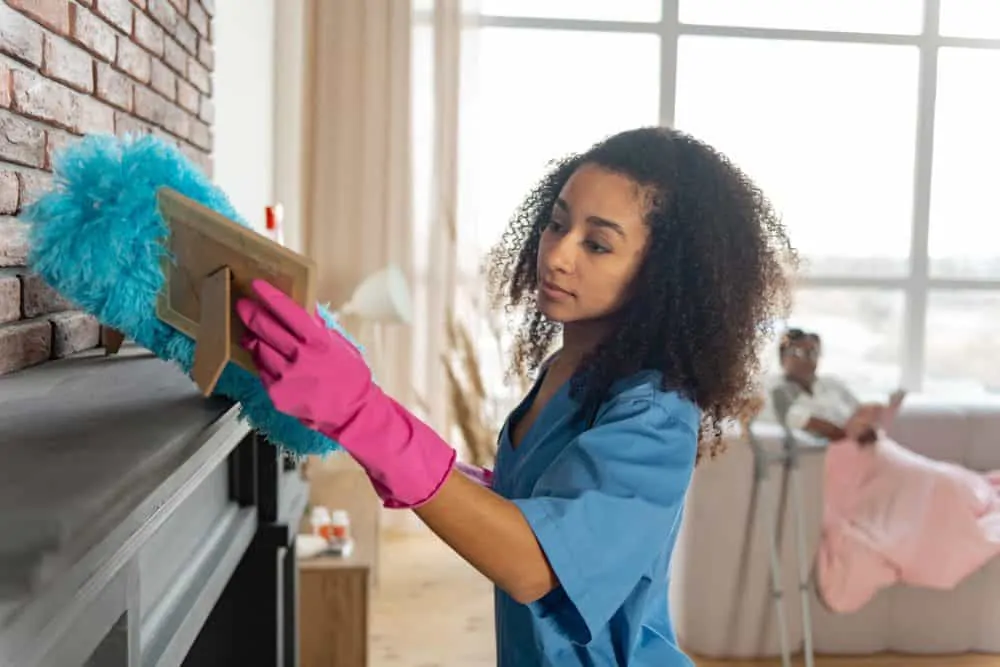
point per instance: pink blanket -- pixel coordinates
(893, 516)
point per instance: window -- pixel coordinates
(898, 16)
(965, 212)
(589, 10)
(861, 331)
(549, 93)
(788, 112)
(963, 350)
(970, 18)
(883, 172)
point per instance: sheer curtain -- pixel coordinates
(377, 161)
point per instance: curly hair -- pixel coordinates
(713, 279)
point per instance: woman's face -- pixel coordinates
(592, 247)
(801, 359)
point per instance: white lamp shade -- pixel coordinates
(382, 297)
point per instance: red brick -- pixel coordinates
(164, 13)
(177, 121)
(39, 97)
(150, 106)
(33, 185)
(148, 34)
(175, 56)
(117, 12)
(209, 6)
(95, 117)
(69, 64)
(38, 298)
(207, 113)
(126, 124)
(133, 59)
(57, 140)
(20, 37)
(187, 36)
(206, 53)
(9, 193)
(10, 296)
(163, 135)
(94, 34)
(114, 87)
(198, 19)
(24, 344)
(21, 142)
(6, 86)
(201, 135)
(180, 5)
(52, 13)
(13, 242)
(199, 76)
(163, 80)
(74, 332)
(188, 96)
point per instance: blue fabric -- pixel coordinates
(96, 237)
(606, 504)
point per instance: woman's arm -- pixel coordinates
(492, 534)
(824, 429)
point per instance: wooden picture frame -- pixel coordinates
(210, 264)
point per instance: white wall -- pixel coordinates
(244, 36)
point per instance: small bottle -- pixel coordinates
(341, 525)
(274, 223)
(322, 524)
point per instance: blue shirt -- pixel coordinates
(605, 503)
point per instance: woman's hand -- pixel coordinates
(863, 424)
(317, 376)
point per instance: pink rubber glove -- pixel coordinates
(480, 476)
(314, 374)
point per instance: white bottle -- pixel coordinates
(322, 524)
(341, 541)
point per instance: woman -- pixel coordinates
(822, 405)
(660, 264)
(890, 515)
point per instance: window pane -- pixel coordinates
(963, 350)
(861, 331)
(532, 105)
(970, 18)
(828, 132)
(588, 10)
(965, 234)
(898, 16)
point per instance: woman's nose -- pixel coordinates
(562, 254)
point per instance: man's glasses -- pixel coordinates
(812, 354)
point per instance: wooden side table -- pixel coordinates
(334, 609)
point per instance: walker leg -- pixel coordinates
(802, 559)
(777, 592)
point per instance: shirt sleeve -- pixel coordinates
(799, 414)
(603, 511)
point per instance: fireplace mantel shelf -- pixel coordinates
(127, 503)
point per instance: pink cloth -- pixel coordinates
(893, 516)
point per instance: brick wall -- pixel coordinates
(69, 68)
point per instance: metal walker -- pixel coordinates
(772, 509)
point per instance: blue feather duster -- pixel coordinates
(96, 237)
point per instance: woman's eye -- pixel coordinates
(594, 246)
(555, 225)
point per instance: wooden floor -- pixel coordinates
(433, 610)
